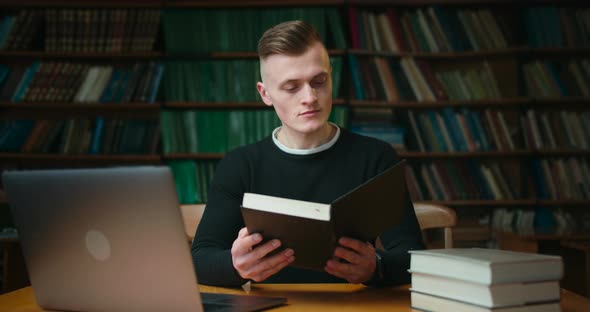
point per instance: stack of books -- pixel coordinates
(476, 279)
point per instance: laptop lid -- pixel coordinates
(103, 239)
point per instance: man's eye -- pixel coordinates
(291, 88)
(319, 82)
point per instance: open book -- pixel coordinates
(312, 229)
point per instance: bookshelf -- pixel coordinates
(211, 38)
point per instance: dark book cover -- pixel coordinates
(362, 213)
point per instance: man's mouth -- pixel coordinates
(309, 112)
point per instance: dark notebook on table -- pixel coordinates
(312, 229)
(110, 240)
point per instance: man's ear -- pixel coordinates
(263, 93)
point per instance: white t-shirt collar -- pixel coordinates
(296, 151)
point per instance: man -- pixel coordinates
(307, 158)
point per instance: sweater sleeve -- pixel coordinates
(219, 227)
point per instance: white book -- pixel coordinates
(489, 296)
(422, 85)
(418, 134)
(438, 30)
(487, 266)
(492, 183)
(99, 85)
(427, 33)
(532, 118)
(89, 80)
(429, 183)
(411, 79)
(548, 129)
(385, 28)
(426, 302)
(372, 23)
(504, 129)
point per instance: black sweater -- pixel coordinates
(264, 168)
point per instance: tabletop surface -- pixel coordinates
(307, 297)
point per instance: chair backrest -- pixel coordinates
(432, 216)
(191, 215)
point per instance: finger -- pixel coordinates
(352, 273)
(253, 256)
(261, 251)
(243, 232)
(356, 245)
(338, 269)
(243, 245)
(348, 255)
(273, 265)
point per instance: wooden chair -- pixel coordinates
(432, 216)
(191, 216)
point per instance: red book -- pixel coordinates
(410, 35)
(354, 28)
(433, 83)
(396, 28)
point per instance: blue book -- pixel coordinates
(553, 25)
(401, 81)
(393, 135)
(555, 76)
(480, 181)
(539, 179)
(475, 134)
(119, 89)
(458, 29)
(457, 43)
(361, 29)
(533, 29)
(95, 144)
(4, 71)
(459, 141)
(356, 79)
(25, 81)
(5, 28)
(16, 136)
(479, 131)
(155, 83)
(109, 91)
(544, 220)
(437, 131)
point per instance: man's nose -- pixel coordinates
(309, 94)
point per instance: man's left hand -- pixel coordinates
(359, 261)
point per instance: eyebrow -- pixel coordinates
(323, 73)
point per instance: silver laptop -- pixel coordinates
(108, 240)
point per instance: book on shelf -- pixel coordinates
(487, 266)
(312, 229)
(426, 302)
(495, 295)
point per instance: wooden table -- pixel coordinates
(308, 297)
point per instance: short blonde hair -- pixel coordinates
(288, 38)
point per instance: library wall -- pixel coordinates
(487, 100)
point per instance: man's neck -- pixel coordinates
(296, 140)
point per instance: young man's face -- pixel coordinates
(299, 88)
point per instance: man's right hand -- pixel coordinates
(252, 261)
